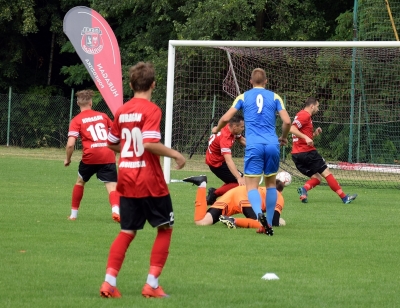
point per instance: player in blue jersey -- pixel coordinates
(259, 108)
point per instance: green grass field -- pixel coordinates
(328, 255)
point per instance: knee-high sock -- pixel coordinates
(224, 188)
(160, 251)
(77, 194)
(255, 200)
(247, 223)
(311, 183)
(117, 253)
(334, 185)
(113, 198)
(270, 202)
(200, 205)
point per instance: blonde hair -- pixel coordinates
(84, 97)
(258, 76)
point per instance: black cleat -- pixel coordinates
(228, 221)
(263, 221)
(196, 180)
(211, 197)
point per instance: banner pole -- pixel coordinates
(72, 103)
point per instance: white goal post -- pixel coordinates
(256, 44)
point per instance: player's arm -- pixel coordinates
(159, 149)
(232, 168)
(224, 120)
(242, 141)
(286, 123)
(115, 147)
(295, 131)
(69, 149)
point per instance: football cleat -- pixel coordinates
(196, 180)
(71, 218)
(349, 198)
(107, 291)
(211, 197)
(116, 217)
(228, 221)
(158, 292)
(303, 194)
(263, 220)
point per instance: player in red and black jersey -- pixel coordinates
(92, 127)
(135, 133)
(219, 157)
(306, 157)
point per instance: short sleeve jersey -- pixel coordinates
(259, 110)
(92, 127)
(304, 124)
(219, 145)
(139, 171)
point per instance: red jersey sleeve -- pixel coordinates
(74, 128)
(151, 127)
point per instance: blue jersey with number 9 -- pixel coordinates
(260, 107)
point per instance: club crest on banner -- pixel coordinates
(92, 42)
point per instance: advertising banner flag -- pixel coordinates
(96, 44)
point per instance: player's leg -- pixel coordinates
(159, 213)
(253, 170)
(107, 173)
(132, 219)
(85, 172)
(304, 165)
(335, 186)
(225, 175)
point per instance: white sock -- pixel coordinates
(203, 184)
(111, 280)
(74, 214)
(152, 281)
(115, 209)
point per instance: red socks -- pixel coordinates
(311, 183)
(77, 194)
(117, 252)
(160, 251)
(334, 185)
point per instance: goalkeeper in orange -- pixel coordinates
(234, 201)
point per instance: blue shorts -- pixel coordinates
(261, 158)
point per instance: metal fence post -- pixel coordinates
(9, 116)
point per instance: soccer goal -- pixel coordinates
(356, 82)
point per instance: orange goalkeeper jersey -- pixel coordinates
(235, 199)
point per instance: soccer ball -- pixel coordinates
(284, 177)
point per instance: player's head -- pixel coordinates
(312, 105)
(258, 78)
(142, 77)
(84, 98)
(236, 124)
(279, 185)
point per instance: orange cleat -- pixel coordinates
(158, 292)
(116, 217)
(107, 291)
(71, 218)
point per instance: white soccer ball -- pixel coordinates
(284, 177)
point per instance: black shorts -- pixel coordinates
(135, 211)
(224, 174)
(215, 213)
(105, 172)
(309, 163)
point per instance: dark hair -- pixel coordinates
(310, 101)
(236, 119)
(279, 185)
(141, 76)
